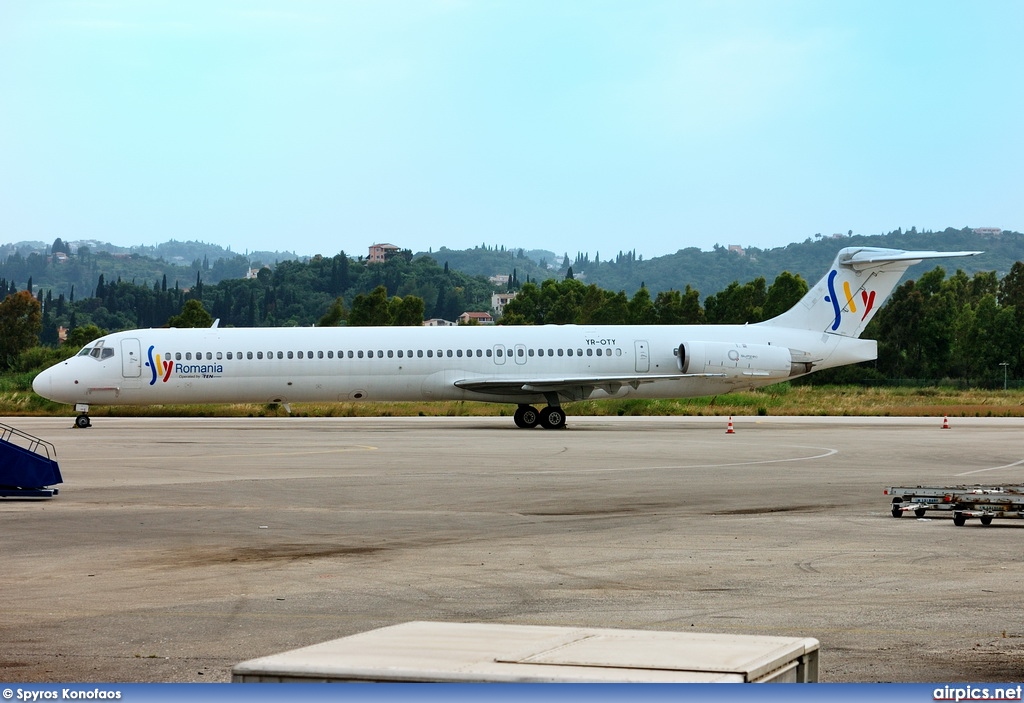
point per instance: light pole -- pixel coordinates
(1004, 364)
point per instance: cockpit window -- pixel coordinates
(97, 352)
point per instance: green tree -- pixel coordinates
(192, 314)
(785, 292)
(407, 311)
(82, 335)
(21, 320)
(371, 310)
(334, 316)
(641, 309)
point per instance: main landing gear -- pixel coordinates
(550, 418)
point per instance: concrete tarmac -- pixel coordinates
(180, 547)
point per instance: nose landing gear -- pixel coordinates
(82, 421)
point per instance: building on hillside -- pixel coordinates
(499, 301)
(737, 249)
(480, 318)
(438, 322)
(380, 252)
(500, 280)
(988, 231)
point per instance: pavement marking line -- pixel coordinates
(992, 468)
(339, 450)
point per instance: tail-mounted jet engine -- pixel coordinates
(737, 360)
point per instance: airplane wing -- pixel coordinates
(533, 386)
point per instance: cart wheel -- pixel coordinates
(896, 512)
(959, 520)
(919, 512)
(986, 519)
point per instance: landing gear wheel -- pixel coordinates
(986, 520)
(526, 417)
(959, 520)
(552, 418)
(83, 421)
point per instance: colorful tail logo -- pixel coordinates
(867, 297)
(158, 367)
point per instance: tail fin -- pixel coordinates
(859, 282)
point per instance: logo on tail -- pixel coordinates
(867, 298)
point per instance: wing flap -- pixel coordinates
(532, 386)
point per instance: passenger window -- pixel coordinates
(409, 353)
(419, 353)
(360, 353)
(188, 356)
(400, 353)
(599, 351)
(480, 353)
(590, 352)
(568, 352)
(540, 352)
(529, 352)
(259, 355)
(430, 353)
(290, 355)
(298, 354)
(229, 356)
(499, 352)
(248, 355)
(450, 353)
(488, 352)
(320, 355)
(391, 353)
(309, 355)
(280, 355)
(380, 353)
(209, 356)
(458, 353)
(350, 354)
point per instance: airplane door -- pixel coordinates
(499, 353)
(643, 358)
(520, 354)
(131, 358)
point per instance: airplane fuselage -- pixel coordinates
(514, 364)
(291, 365)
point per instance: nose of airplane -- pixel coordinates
(42, 384)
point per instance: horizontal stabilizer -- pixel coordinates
(863, 258)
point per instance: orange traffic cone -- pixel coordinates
(729, 429)
(945, 422)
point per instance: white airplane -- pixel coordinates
(525, 365)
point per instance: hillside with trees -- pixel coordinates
(963, 326)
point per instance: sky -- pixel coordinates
(317, 126)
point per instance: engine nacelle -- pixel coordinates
(739, 360)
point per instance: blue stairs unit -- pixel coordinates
(28, 465)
